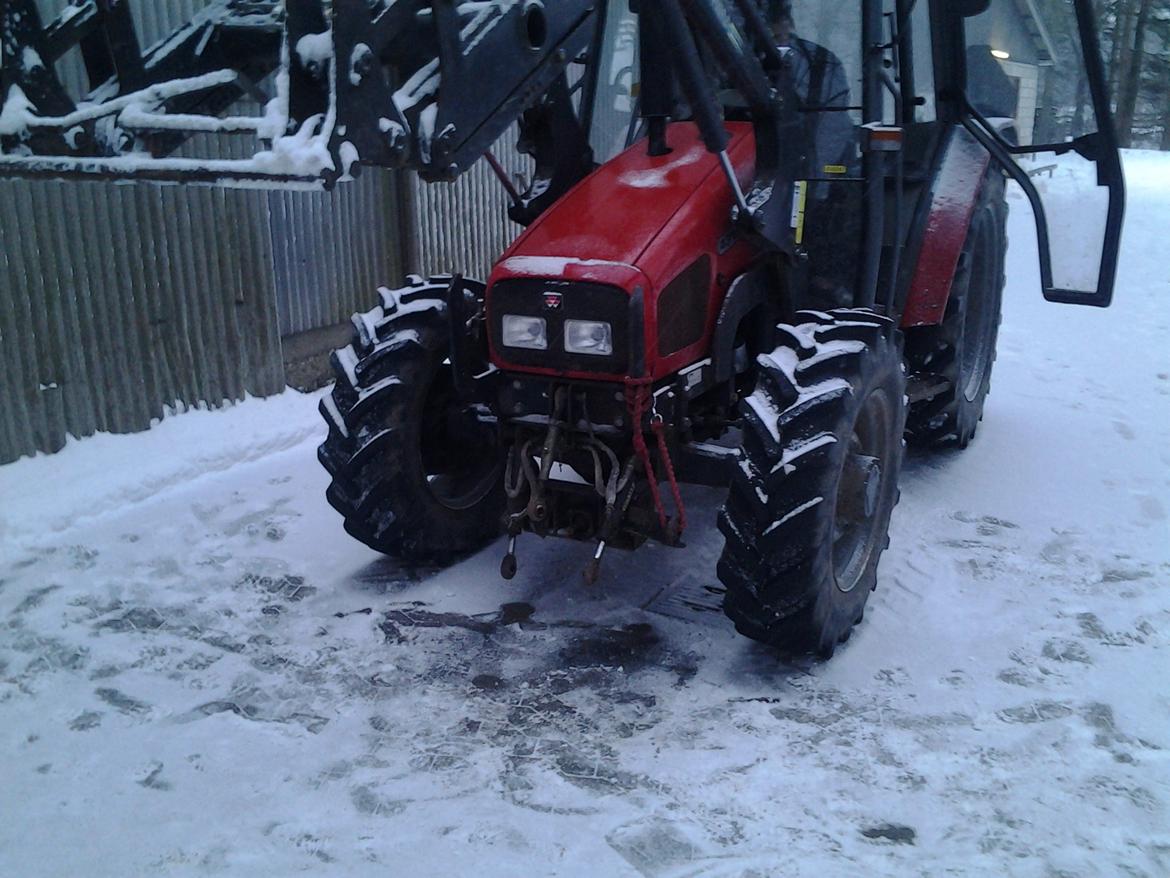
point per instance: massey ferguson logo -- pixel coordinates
(552, 301)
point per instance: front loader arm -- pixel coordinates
(394, 83)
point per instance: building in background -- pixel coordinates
(1010, 39)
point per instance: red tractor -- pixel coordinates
(790, 257)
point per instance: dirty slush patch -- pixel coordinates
(556, 696)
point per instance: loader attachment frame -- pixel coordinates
(414, 84)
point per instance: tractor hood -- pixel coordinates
(612, 218)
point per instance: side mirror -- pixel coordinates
(1078, 173)
(971, 8)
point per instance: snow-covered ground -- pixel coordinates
(200, 673)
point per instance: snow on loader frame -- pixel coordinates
(764, 243)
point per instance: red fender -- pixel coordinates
(952, 204)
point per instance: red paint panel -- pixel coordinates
(694, 230)
(615, 212)
(952, 204)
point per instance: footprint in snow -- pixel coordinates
(891, 832)
(1094, 629)
(894, 678)
(986, 525)
(82, 557)
(1024, 677)
(1125, 574)
(956, 678)
(655, 845)
(367, 801)
(33, 599)
(1061, 549)
(1036, 712)
(1061, 650)
(151, 777)
(89, 719)
(122, 702)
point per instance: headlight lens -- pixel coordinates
(588, 337)
(525, 332)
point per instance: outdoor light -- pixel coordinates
(1000, 54)
(588, 337)
(525, 332)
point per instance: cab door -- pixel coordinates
(1034, 93)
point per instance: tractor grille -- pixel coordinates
(578, 301)
(682, 308)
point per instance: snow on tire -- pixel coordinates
(808, 511)
(399, 495)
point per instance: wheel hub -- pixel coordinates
(859, 493)
(871, 468)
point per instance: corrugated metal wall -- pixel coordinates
(463, 226)
(119, 300)
(332, 250)
(116, 301)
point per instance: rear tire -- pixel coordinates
(808, 512)
(416, 474)
(962, 348)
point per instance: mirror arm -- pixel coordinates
(990, 140)
(1088, 146)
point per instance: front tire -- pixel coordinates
(808, 512)
(416, 474)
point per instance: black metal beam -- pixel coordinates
(74, 25)
(872, 162)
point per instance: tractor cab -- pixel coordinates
(867, 129)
